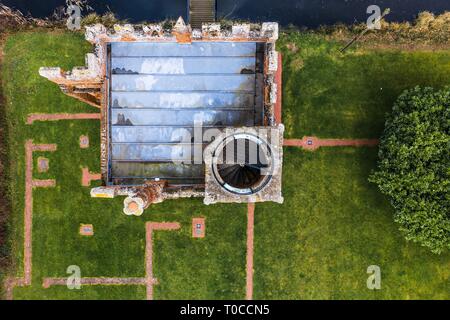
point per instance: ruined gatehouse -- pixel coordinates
(184, 112)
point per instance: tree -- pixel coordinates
(414, 166)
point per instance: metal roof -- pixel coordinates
(158, 90)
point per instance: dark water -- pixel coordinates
(309, 13)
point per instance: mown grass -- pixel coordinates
(333, 225)
(213, 267)
(330, 94)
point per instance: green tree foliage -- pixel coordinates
(414, 166)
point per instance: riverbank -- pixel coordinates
(427, 32)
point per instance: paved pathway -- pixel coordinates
(148, 280)
(149, 227)
(61, 116)
(250, 234)
(87, 177)
(313, 143)
(30, 183)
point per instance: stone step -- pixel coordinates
(201, 11)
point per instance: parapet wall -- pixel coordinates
(93, 74)
(265, 32)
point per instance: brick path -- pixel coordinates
(30, 183)
(149, 227)
(313, 143)
(278, 81)
(148, 281)
(87, 177)
(61, 116)
(250, 234)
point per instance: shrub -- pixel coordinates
(414, 166)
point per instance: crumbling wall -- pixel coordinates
(87, 83)
(90, 83)
(266, 32)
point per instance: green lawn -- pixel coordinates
(333, 225)
(329, 94)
